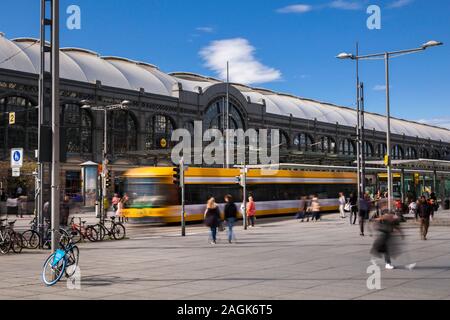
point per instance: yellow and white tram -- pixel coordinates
(154, 198)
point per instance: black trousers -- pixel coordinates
(353, 214)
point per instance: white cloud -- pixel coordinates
(296, 8)
(244, 67)
(443, 122)
(346, 5)
(399, 4)
(205, 29)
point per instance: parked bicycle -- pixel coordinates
(116, 230)
(79, 231)
(63, 261)
(32, 238)
(10, 239)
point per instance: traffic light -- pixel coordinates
(108, 179)
(177, 176)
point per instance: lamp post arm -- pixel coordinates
(390, 54)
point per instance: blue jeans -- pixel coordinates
(230, 223)
(214, 233)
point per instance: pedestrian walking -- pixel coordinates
(302, 209)
(22, 205)
(3, 198)
(387, 244)
(251, 211)
(119, 211)
(115, 201)
(377, 199)
(230, 215)
(353, 208)
(364, 208)
(12, 205)
(342, 202)
(425, 213)
(212, 218)
(315, 208)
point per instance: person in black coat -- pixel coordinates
(230, 215)
(354, 208)
(424, 212)
(212, 218)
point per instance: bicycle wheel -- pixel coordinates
(5, 245)
(101, 231)
(52, 274)
(118, 231)
(75, 235)
(31, 239)
(73, 257)
(91, 234)
(16, 242)
(65, 237)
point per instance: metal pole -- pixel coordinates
(362, 148)
(388, 134)
(104, 168)
(358, 149)
(55, 125)
(244, 197)
(227, 117)
(39, 200)
(183, 222)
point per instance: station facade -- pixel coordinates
(311, 132)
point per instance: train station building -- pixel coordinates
(311, 132)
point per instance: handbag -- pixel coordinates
(221, 226)
(347, 207)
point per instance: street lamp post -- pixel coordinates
(387, 56)
(122, 106)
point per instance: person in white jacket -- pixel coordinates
(342, 204)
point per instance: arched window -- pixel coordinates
(78, 124)
(24, 133)
(368, 149)
(424, 154)
(284, 140)
(304, 142)
(159, 130)
(214, 117)
(346, 147)
(381, 150)
(397, 152)
(411, 153)
(327, 145)
(122, 131)
(435, 154)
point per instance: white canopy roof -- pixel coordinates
(86, 66)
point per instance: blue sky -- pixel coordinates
(271, 44)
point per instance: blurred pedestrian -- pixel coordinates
(22, 202)
(353, 208)
(212, 218)
(387, 243)
(425, 213)
(302, 208)
(230, 215)
(115, 201)
(65, 212)
(342, 202)
(3, 198)
(119, 211)
(364, 208)
(377, 199)
(315, 208)
(251, 211)
(12, 205)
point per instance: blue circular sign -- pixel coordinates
(16, 156)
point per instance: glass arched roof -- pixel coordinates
(82, 65)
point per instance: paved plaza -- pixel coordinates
(278, 259)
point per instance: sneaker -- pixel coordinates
(389, 266)
(411, 266)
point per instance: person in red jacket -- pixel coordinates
(251, 211)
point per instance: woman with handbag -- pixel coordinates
(212, 218)
(342, 202)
